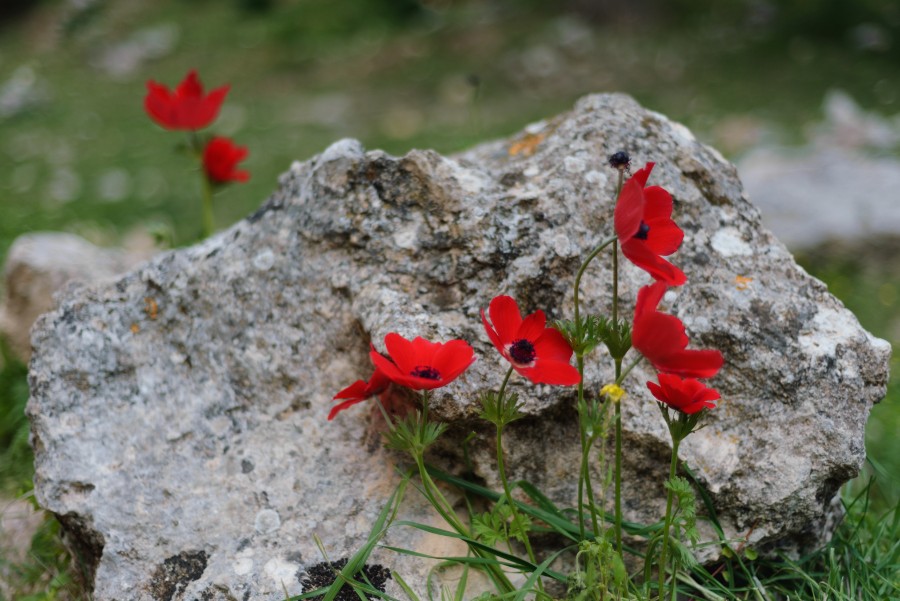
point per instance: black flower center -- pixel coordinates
(642, 231)
(427, 372)
(522, 351)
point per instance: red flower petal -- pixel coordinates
(664, 236)
(220, 159)
(549, 363)
(186, 107)
(400, 351)
(420, 364)
(552, 345)
(492, 334)
(691, 363)
(453, 358)
(630, 205)
(548, 371)
(359, 391)
(686, 395)
(506, 318)
(637, 252)
(648, 299)
(532, 327)
(662, 340)
(657, 204)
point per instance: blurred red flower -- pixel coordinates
(185, 108)
(661, 339)
(420, 364)
(220, 159)
(539, 353)
(686, 395)
(643, 223)
(359, 391)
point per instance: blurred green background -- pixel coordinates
(78, 154)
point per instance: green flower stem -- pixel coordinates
(663, 554)
(584, 482)
(618, 362)
(209, 224)
(206, 197)
(618, 468)
(628, 369)
(434, 496)
(501, 469)
(584, 452)
(581, 270)
(503, 386)
(512, 505)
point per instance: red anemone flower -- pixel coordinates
(643, 222)
(420, 364)
(359, 391)
(662, 340)
(539, 353)
(686, 395)
(186, 107)
(220, 159)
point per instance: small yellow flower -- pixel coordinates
(613, 391)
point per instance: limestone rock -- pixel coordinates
(178, 416)
(37, 266)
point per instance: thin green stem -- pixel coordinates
(618, 363)
(501, 468)
(503, 385)
(209, 222)
(581, 270)
(663, 553)
(628, 369)
(206, 196)
(584, 482)
(434, 496)
(618, 469)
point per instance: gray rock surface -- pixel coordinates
(178, 416)
(41, 263)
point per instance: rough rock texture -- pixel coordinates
(37, 266)
(179, 415)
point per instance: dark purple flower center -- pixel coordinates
(620, 160)
(642, 231)
(426, 372)
(522, 351)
